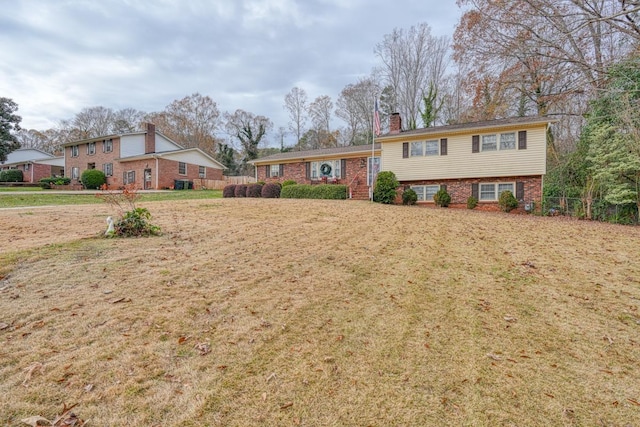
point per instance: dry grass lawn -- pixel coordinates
(319, 313)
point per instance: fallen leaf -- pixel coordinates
(510, 318)
(117, 300)
(271, 377)
(286, 405)
(635, 402)
(203, 348)
(264, 396)
(35, 421)
(182, 339)
(494, 356)
(3, 325)
(88, 387)
(30, 371)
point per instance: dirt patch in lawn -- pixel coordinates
(285, 312)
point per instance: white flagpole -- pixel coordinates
(373, 144)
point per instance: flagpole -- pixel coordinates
(375, 129)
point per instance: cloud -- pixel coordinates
(62, 56)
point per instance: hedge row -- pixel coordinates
(11, 175)
(47, 182)
(271, 190)
(321, 191)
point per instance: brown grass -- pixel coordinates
(319, 313)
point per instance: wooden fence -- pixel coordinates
(214, 184)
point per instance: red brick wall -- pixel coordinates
(460, 190)
(356, 176)
(99, 158)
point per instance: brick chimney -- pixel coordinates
(150, 138)
(395, 123)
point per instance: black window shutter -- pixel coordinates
(343, 168)
(405, 150)
(267, 171)
(124, 177)
(443, 146)
(281, 170)
(520, 190)
(522, 140)
(475, 144)
(307, 167)
(475, 191)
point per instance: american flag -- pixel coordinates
(376, 119)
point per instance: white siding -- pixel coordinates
(23, 155)
(131, 145)
(192, 157)
(460, 162)
(163, 144)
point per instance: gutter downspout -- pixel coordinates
(157, 172)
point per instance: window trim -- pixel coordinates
(422, 196)
(107, 168)
(336, 169)
(274, 171)
(91, 148)
(107, 146)
(202, 172)
(75, 172)
(498, 143)
(180, 165)
(129, 177)
(496, 190)
(75, 151)
(424, 148)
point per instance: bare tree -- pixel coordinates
(355, 107)
(320, 111)
(191, 121)
(412, 61)
(295, 102)
(249, 130)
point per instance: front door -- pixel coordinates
(147, 179)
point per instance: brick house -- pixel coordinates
(479, 159)
(350, 166)
(34, 164)
(148, 160)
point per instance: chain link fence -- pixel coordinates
(596, 209)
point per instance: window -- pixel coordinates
(417, 149)
(274, 170)
(182, 168)
(489, 143)
(425, 192)
(107, 168)
(75, 172)
(91, 148)
(425, 148)
(27, 166)
(202, 172)
(107, 146)
(508, 141)
(74, 151)
(325, 169)
(491, 192)
(129, 177)
(431, 148)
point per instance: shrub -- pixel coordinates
(385, 188)
(472, 202)
(46, 183)
(261, 182)
(93, 179)
(442, 198)
(322, 191)
(241, 190)
(507, 201)
(409, 197)
(254, 190)
(11, 175)
(229, 191)
(289, 182)
(271, 191)
(135, 223)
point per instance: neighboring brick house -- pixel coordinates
(479, 159)
(34, 164)
(350, 166)
(148, 160)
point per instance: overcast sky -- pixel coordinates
(59, 56)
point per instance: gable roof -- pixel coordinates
(472, 126)
(322, 152)
(176, 153)
(26, 155)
